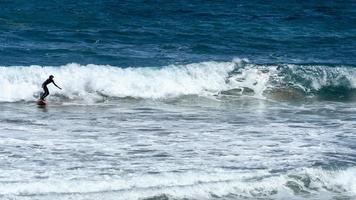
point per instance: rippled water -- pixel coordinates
(156, 33)
(195, 148)
(178, 100)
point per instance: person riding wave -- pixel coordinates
(45, 89)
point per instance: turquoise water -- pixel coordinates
(183, 100)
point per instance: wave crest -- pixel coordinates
(239, 77)
(309, 182)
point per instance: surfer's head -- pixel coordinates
(51, 76)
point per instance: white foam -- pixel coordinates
(198, 185)
(253, 78)
(93, 82)
(343, 181)
(22, 83)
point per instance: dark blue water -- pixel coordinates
(178, 100)
(156, 33)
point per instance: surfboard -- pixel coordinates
(41, 102)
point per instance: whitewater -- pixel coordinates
(178, 100)
(207, 130)
(100, 82)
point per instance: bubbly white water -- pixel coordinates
(21, 83)
(94, 82)
(193, 147)
(193, 185)
(197, 131)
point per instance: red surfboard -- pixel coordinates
(41, 102)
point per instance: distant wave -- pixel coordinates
(238, 77)
(305, 183)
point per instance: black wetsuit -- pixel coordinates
(44, 86)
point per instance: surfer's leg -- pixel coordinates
(46, 93)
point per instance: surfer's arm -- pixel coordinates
(57, 85)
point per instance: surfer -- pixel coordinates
(44, 86)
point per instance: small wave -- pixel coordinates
(238, 77)
(299, 184)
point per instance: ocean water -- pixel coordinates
(178, 100)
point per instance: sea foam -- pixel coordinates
(78, 81)
(295, 185)
(97, 82)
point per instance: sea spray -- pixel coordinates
(239, 77)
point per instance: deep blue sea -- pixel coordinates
(155, 33)
(178, 100)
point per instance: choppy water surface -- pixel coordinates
(160, 32)
(192, 147)
(178, 100)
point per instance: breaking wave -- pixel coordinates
(304, 183)
(238, 77)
